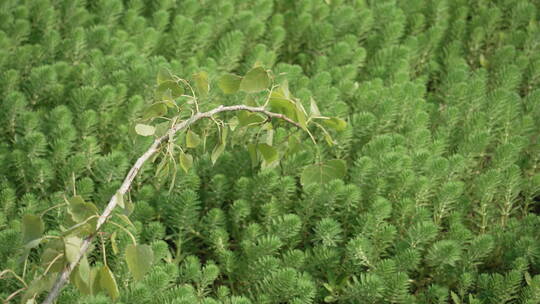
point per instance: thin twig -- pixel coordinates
(126, 185)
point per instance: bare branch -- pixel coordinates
(124, 188)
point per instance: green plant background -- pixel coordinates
(440, 200)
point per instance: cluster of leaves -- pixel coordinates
(429, 194)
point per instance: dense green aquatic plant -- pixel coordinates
(438, 203)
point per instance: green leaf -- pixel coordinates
(48, 256)
(192, 139)
(314, 109)
(455, 297)
(252, 150)
(186, 161)
(245, 118)
(229, 83)
(216, 153)
(282, 105)
(38, 285)
(201, 83)
(108, 283)
(120, 200)
(139, 260)
(114, 245)
(32, 229)
(270, 155)
(72, 245)
(129, 208)
(164, 75)
(145, 130)
(323, 172)
(125, 219)
(335, 123)
(155, 110)
(293, 145)
(168, 90)
(81, 210)
(256, 80)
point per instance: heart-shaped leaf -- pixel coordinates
(323, 172)
(139, 260)
(256, 80)
(229, 83)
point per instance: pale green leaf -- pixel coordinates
(335, 123)
(72, 246)
(201, 83)
(192, 139)
(120, 200)
(186, 161)
(114, 245)
(145, 130)
(455, 297)
(216, 153)
(314, 109)
(229, 83)
(139, 260)
(323, 172)
(32, 229)
(108, 283)
(256, 80)
(125, 219)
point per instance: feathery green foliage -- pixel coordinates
(434, 182)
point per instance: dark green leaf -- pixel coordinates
(139, 260)
(323, 172)
(256, 80)
(229, 83)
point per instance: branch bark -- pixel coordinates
(64, 276)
